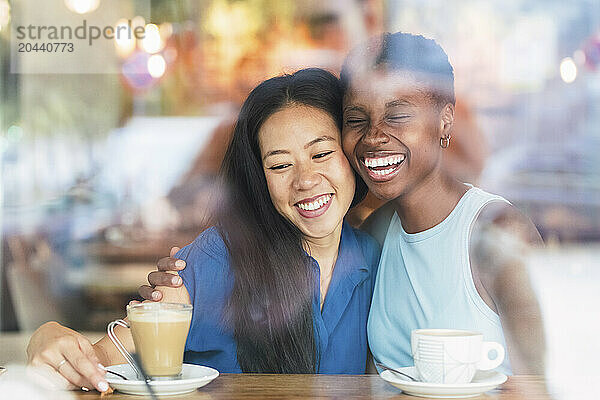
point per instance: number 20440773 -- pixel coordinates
(50, 47)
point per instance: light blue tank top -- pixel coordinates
(425, 281)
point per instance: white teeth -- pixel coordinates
(314, 205)
(383, 172)
(383, 161)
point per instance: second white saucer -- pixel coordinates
(481, 383)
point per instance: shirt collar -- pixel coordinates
(351, 260)
(350, 270)
(350, 256)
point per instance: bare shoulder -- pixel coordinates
(378, 222)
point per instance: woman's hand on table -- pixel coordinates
(164, 276)
(58, 348)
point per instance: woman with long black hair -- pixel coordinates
(280, 283)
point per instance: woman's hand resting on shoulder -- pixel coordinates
(58, 348)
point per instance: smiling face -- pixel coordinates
(309, 179)
(392, 130)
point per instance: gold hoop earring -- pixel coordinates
(445, 142)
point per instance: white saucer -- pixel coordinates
(193, 377)
(481, 383)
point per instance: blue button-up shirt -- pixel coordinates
(340, 327)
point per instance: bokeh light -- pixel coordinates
(568, 70)
(152, 41)
(82, 6)
(124, 38)
(4, 13)
(157, 66)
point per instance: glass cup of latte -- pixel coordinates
(159, 333)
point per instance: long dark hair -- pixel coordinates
(270, 307)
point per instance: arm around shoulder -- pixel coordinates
(378, 222)
(501, 242)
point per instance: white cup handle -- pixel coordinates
(486, 363)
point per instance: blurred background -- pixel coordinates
(100, 174)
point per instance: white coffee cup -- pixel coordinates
(452, 355)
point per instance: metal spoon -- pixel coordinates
(396, 371)
(147, 379)
(119, 375)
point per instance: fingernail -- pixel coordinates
(175, 280)
(155, 295)
(180, 263)
(85, 389)
(103, 386)
(102, 367)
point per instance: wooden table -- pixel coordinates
(250, 386)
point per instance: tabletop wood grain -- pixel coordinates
(252, 386)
